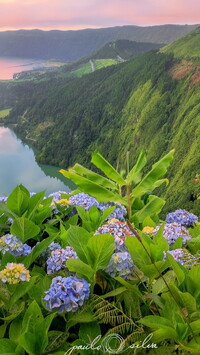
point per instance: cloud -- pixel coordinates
(67, 14)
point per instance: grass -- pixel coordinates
(4, 113)
(102, 63)
(82, 70)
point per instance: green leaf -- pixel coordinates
(154, 270)
(154, 206)
(93, 189)
(21, 290)
(4, 209)
(18, 200)
(100, 162)
(98, 179)
(34, 202)
(160, 286)
(37, 250)
(88, 332)
(164, 333)
(78, 238)
(133, 288)
(156, 322)
(14, 314)
(116, 292)
(7, 347)
(100, 249)
(195, 326)
(179, 271)
(157, 171)
(137, 251)
(23, 228)
(134, 175)
(78, 266)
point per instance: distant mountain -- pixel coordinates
(124, 49)
(72, 45)
(150, 102)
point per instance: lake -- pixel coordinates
(18, 166)
(10, 65)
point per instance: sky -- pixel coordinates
(78, 14)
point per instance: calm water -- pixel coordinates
(18, 166)
(10, 66)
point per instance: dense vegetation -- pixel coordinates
(151, 102)
(72, 45)
(77, 277)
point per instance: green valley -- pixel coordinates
(149, 102)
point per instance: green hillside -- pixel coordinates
(125, 49)
(187, 47)
(150, 102)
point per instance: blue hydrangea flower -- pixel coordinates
(57, 195)
(3, 199)
(120, 264)
(119, 231)
(11, 244)
(173, 231)
(44, 256)
(83, 200)
(182, 217)
(183, 257)
(67, 294)
(58, 258)
(118, 213)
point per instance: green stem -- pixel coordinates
(128, 194)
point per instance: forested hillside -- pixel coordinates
(150, 102)
(72, 45)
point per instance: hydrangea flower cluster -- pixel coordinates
(14, 273)
(173, 231)
(67, 294)
(118, 213)
(53, 246)
(11, 244)
(57, 195)
(58, 258)
(120, 264)
(83, 200)
(118, 230)
(183, 257)
(3, 199)
(182, 217)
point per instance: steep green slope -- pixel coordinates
(185, 47)
(151, 102)
(72, 45)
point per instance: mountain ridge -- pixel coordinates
(72, 45)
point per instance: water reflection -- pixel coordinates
(18, 166)
(11, 65)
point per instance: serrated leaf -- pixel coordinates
(25, 229)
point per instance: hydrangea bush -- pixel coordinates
(73, 266)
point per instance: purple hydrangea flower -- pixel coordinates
(182, 217)
(173, 231)
(183, 257)
(57, 195)
(44, 256)
(118, 213)
(67, 294)
(58, 258)
(119, 231)
(11, 244)
(120, 264)
(83, 200)
(3, 199)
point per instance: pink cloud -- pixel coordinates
(71, 14)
